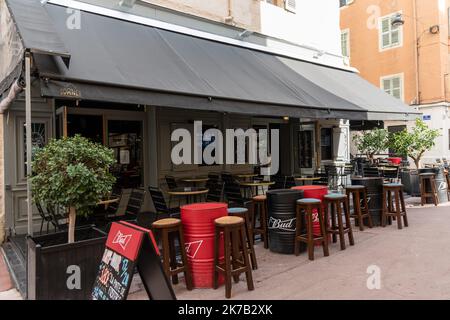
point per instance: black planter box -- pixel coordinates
(50, 256)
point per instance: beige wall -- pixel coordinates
(433, 58)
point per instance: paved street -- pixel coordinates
(414, 264)
(7, 291)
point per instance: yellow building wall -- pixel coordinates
(361, 18)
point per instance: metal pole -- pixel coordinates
(28, 139)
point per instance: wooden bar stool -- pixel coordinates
(428, 178)
(236, 254)
(244, 214)
(260, 211)
(169, 229)
(338, 204)
(390, 210)
(359, 212)
(307, 206)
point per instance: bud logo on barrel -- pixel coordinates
(192, 248)
(286, 225)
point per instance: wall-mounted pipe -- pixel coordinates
(15, 89)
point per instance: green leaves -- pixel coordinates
(72, 172)
(416, 142)
(372, 142)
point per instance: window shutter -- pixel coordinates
(290, 5)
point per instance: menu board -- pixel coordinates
(128, 247)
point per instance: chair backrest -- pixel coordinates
(290, 182)
(135, 202)
(392, 173)
(280, 182)
(233, 192)
(41, 211)
(213, 179)
(227, 177)
(323, 179)
(215, 193)
(115, 194)
(171, 182)
(158, 200)
(371, 172)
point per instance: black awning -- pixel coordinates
(122, 61)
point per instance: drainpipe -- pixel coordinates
(417, 53)
(28, 139)
(15, 89)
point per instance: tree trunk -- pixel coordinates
(72, 219)
(417, 163)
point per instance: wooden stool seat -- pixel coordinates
(166, 223)
(170, 229)
(260, 198)
(244, 214)
(229, 221)
(426, 178)
(260, 211)
(397, 211)
(338, 203)
(359, 213)
(236, 256)
(307, 206)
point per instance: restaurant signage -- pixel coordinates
(286, 225)
(128, 247)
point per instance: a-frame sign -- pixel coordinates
(129, 246)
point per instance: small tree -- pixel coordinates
(414, 143)
(372, 142)
(73, 173)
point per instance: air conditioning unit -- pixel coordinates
(290, 5)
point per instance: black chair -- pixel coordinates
(280, 182)
(160, 204)
(213, 179)
(323, 181)
(56, 220)
(371, 172)
(227, 177)
(171, 182)
(290, 182)
(116, 193)
(215, 193)
(234, 195)
(134, 203)
(392, 174)
(45, 217)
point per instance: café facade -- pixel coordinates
(128, 82)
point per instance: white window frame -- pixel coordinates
(401, 76)
(347, 32)
(380, 33)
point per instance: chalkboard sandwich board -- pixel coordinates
(129, 246)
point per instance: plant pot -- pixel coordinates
(54, 264)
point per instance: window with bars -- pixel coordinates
(390, 35)
(393, 85)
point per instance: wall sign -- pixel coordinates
(426, 117)
(129, 246)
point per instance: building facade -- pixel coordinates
(138, 70)
(402, 47)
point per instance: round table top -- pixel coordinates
(195, 179)
(108, 201)
(187, 191)
(247, 175)
(366, 178)
(257, 184)
(307, 179)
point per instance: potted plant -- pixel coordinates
(72, 173)
(414, 144)
(371, 142)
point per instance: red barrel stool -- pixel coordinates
(315, 192)
(199, 229)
